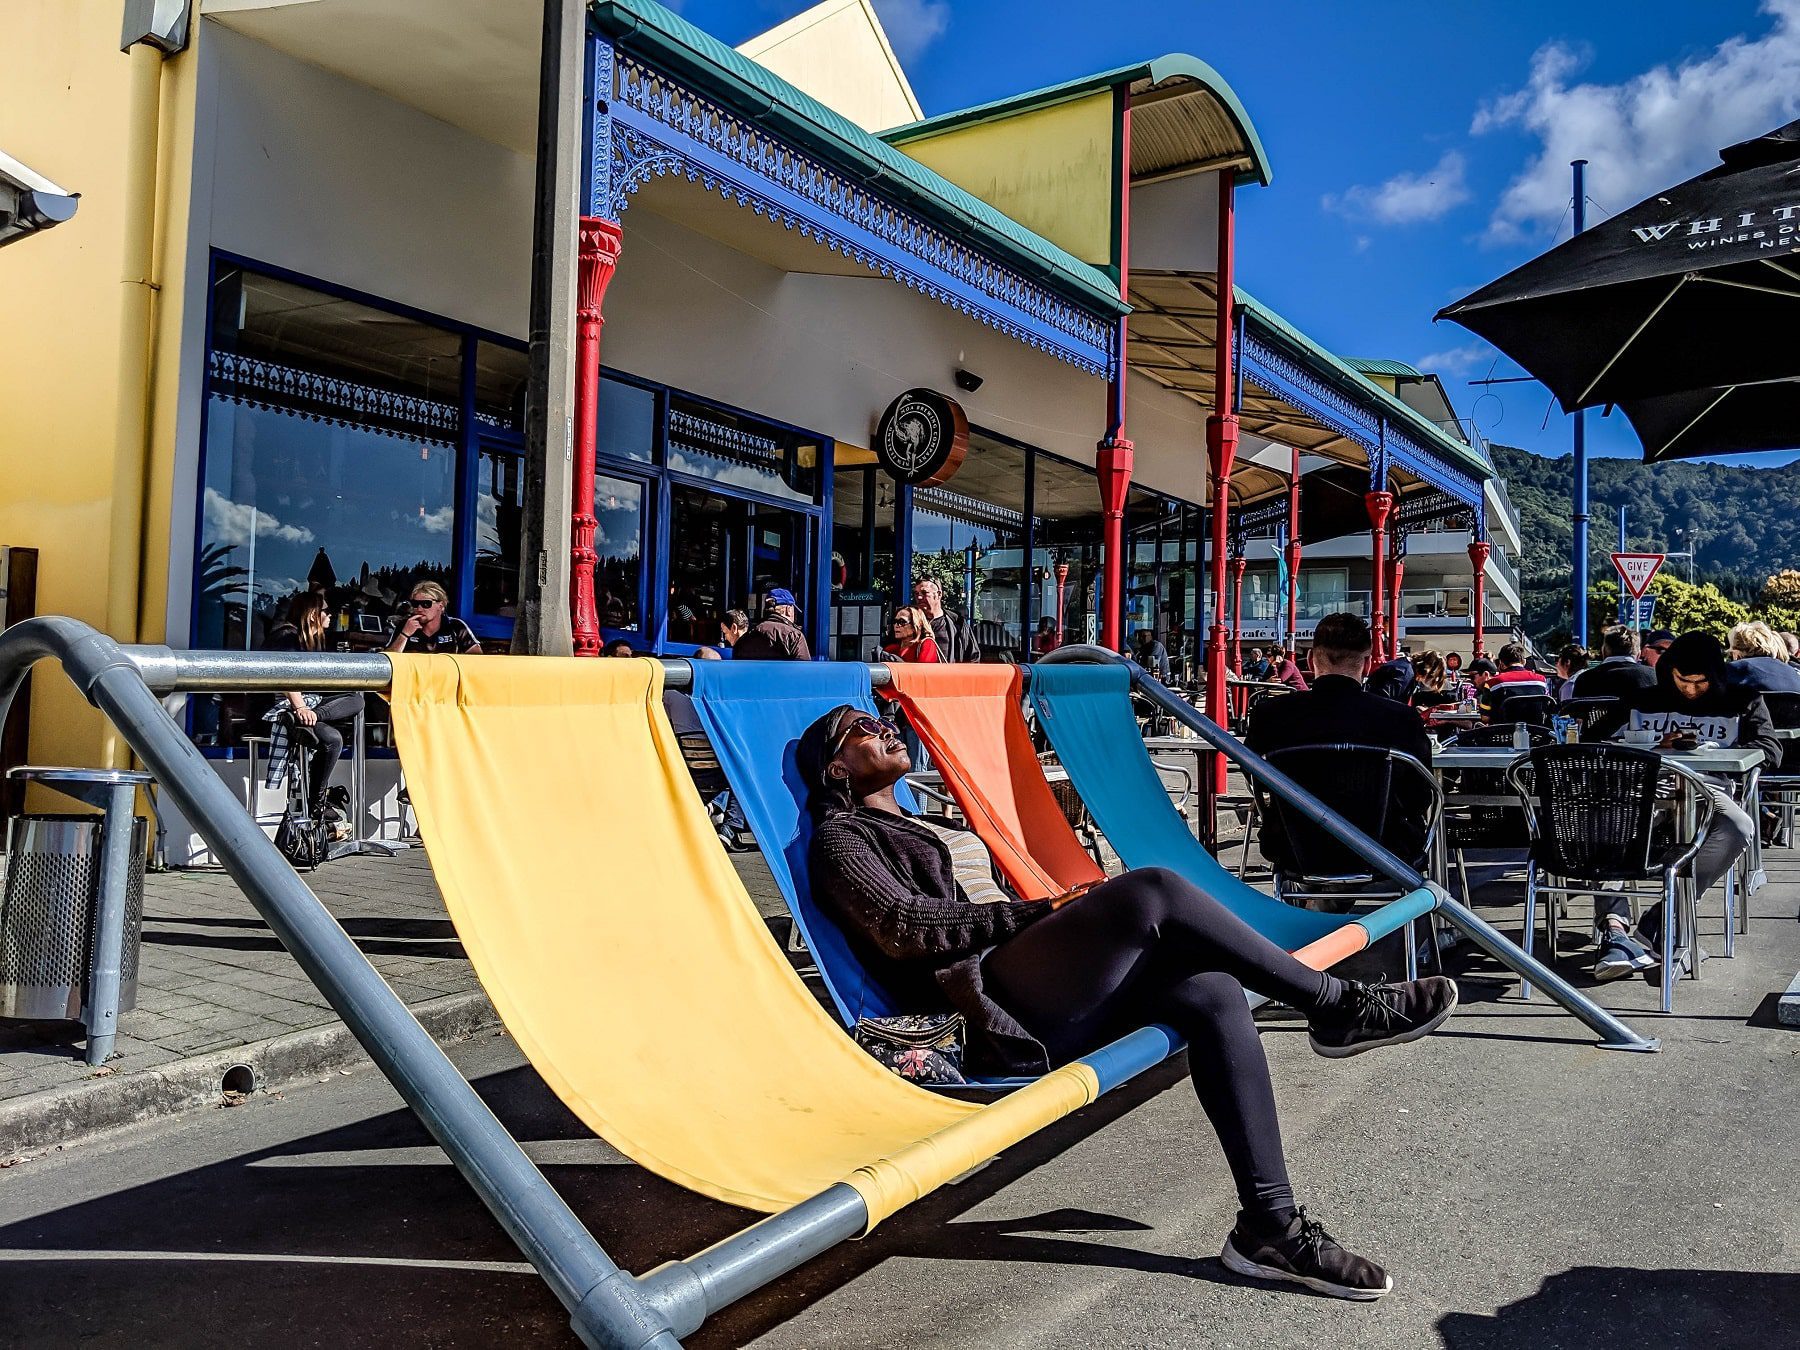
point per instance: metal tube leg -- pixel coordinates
(604, 1304)
(1531, 890)
(1412, 952)
(1733, 896)
(100, 1009)
(1671, 909)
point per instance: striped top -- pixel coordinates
(971, 862)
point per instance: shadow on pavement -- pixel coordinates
(1606, 1307)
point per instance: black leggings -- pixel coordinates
(1150, 946)
(337, 718)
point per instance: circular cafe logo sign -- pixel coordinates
(922, 438)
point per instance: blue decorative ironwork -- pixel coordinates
(651, 126)
(1386, 444)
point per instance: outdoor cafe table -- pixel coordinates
(1732, 763)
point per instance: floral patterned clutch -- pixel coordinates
(925, 1048)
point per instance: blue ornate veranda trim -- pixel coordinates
(1386, 444)
(646, 125)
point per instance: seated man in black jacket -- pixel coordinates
(1338, 711)
(1619, 674)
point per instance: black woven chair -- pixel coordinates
(1530, 706)
(1592, 712)
(1780, 783)
(1386, 794)
(1591, 811)
(1486, 825)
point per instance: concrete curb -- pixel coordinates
(1787, 1010)
(80, 1111)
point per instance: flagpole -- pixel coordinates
(1579, 167)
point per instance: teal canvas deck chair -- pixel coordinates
(1085, 711)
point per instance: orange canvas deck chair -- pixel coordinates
(969, 718)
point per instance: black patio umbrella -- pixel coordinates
(1695, 288)
(1724, 421)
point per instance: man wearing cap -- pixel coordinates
(1656, 642)
(778, 636)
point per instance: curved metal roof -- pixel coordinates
(1184, 117)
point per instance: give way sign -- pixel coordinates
(1636, 569)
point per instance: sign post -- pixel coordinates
(1635, 572)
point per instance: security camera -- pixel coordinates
(968, 381)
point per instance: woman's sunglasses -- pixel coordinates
(864, 725)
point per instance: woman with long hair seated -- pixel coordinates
(1046, 981)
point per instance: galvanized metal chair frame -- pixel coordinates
(1680, 907)
(607, 1306)
(1317, 886)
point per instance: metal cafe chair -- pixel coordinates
(1590, 712)
(1591, 811)
(1780, 783)
(1532, 708)
(1485, 823)
(1368, 785)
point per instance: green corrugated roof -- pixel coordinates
(1429, 433)
(671, 42)
(1174, 65)
(1396, 369)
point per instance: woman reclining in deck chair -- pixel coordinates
(1048, 980)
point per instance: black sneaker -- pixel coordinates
(1304, 1253)
(1383, 1014)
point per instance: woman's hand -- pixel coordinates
(1058, 901)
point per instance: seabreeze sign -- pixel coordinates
(922, 438)
(1636, 569)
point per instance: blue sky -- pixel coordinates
(1419, 149)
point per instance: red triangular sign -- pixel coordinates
(1636, 570)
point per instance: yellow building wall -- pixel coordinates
(1050, 169)
(837, 52)
(62, 109)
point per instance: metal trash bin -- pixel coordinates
(47, 914)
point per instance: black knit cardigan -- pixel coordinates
(889, 884)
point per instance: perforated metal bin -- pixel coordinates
(47, 910)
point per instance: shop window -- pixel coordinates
(502, 375)
(728, 553)
(740, 452)
(331, 440)
(625, 425)
(969, 536)
(1067, 502)
(619, 542)
(499, 520)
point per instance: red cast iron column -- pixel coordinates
(1221, 448)
(1397, 562)
(1114, 465)
(598, 255)
(1238, 564)
(1378, 505)
(1293, 551)
(1113, 462)
(1478, 556)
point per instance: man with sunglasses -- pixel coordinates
(428, 628)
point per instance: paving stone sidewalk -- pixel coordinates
(212, 975)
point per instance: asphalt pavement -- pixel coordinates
(1525, 1188)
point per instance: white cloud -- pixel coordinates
(438, 521)
(228, 522)
(1407, 198)
(1456, 360)
(1642, 134)
(913, 25)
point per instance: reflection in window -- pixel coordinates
(741, 452)
(969, 536)
(728, 553)
(1068, 546)
(499, 519)
(625, 424)
(619, 542)
(501, 377)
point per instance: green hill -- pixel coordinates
(1743, 524)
